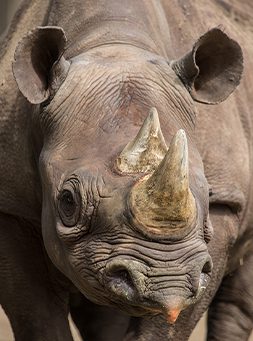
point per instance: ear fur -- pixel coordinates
(212, 69)
(38, 61)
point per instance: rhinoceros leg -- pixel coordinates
(97, 323)
(30, 293)
(231, 313)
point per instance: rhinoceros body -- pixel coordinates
(125, 196)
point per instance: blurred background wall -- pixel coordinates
(7, 9)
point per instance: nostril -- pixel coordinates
(204, 276)
(123, 276)
(207, 268)
(119, 280)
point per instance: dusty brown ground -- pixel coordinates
(6, 334)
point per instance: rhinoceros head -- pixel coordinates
(125, 198)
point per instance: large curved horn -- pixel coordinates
(164, 200)
(146, 151)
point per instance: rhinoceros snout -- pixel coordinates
(128, 281)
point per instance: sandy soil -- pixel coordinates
(6, 334)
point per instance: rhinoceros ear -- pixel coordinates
(38, 63)
(213, 69)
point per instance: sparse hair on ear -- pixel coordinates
(38, 61)
(212, 69)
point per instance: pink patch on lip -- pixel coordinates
(172, 315)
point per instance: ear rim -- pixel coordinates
(188, 71)
(23, 56)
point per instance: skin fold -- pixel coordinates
(135, 220)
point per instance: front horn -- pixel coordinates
(164, 199)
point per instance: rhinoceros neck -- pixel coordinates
(93, 23)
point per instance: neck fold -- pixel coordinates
(90, 23)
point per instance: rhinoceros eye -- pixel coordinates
(69, 206)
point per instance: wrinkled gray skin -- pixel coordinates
(63, 123)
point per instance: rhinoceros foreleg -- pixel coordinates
(97, 323)
(30, 294)
(231, 313)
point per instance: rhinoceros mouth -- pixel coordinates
(124, 296)
(158, 305)
(123, 293)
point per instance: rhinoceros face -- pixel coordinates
(125, 203)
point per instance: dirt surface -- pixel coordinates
(6, 334)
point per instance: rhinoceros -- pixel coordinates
(126, 169)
